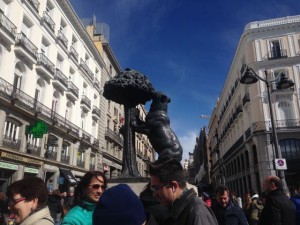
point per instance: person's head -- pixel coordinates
(222, 196)
(63, 194)
(297, 188)
(56, 192)
(2, 196)
(263, 197)
(71, 191)
(167, 180)
(27, 196)
(90, 188)
(119, 205)
(247, 198)
(272, 183)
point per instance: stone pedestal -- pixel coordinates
(137, 184)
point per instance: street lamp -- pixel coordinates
(250, 77)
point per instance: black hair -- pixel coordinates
(168, 170)
(221, 190)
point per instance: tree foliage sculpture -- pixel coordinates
(129, 88)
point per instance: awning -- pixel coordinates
(69, 176)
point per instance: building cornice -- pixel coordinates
(111, 56)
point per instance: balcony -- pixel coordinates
(96, 113)
(7, 30)
(62, 39)
(60, 81)
(34, 4)
(72, 91)
(45, 67)
(11, 143)
(50, 155)
(85, 103)
(246, 99)
(25, 49)
(73, 54)
(113, 136)
(33, 150)
(96, 83)
(92, 167)
(279, 54)
(85, 69)
(80, 163)
(65, 159)
(239, 110)
(48, 21)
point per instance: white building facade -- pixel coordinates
(50, 93)
(240, 131)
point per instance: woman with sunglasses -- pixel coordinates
(87, 194)
(27, 201)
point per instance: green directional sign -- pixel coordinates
(38, 129)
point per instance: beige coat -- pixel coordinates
(41, 217)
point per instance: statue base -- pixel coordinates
(137, 184)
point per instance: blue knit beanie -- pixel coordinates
(119, 205)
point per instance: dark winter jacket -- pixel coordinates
(189, 209)
(278, 210)
(231, 215)
(54, 204)
(296, 200)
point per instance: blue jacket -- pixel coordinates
(296, 200)
(80, 215)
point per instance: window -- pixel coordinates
(45, 47)
(11, 129)
(55, 102)
(68, 113)
(52, 145)
(26, 27)
(59, 62)
(286, 112)
(290, 148)
(275, 49)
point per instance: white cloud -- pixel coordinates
(188, 142)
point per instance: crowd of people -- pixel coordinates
(165, 200)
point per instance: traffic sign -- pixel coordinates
(280, 164)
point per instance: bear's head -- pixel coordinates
(159, 102)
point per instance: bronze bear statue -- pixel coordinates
(157, 127)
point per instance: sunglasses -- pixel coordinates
(97, 186)
(155, 188)
(13, 202)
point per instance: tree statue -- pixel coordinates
(129, 88)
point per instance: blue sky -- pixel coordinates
(185, 47)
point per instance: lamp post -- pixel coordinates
(250, 77)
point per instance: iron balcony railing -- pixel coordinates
(277, 54)
(74, 53)
(59, 76)
(80, 163)
(50, 155)
(114, 136)
(7, 25)
(33, 149)
(65, 158)
(62, 38)
(72, 88)
(47, 18)
(279, 125)
(246, 98)
(96, 111)
(22, 40)
(26, 102)
(10, 142)
(85, 101)
(87, 70)
(35, 4)
(43, 60)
